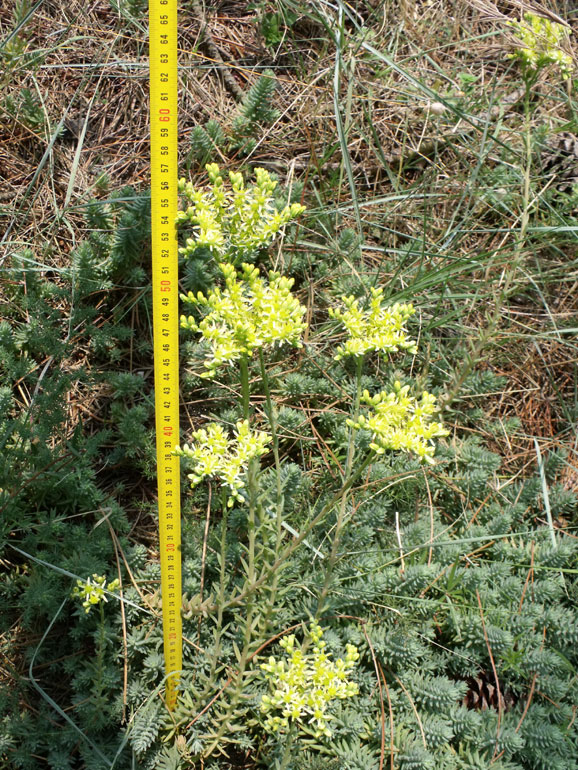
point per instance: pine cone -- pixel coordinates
(483, 694)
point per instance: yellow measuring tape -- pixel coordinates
(164, 198)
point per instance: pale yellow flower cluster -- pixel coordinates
(215, 455)
(377, 328)
(233, 222)
(399, 421)
(93, 590)
(540, 44)
(247, 314)
(304, 685)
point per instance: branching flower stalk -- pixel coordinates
(287, 751)
(252, 519)
(251, 524)
(100, 652)
(238, 681)
(539, 47)
(93, 592)
(380, 329)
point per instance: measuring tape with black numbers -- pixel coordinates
(164, 200)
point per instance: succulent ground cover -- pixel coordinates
(379, 560)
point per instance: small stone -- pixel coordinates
(437, 108)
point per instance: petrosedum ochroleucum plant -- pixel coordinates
(92, 591)
(541, 45)
(303, 685)
(217, 456)
(247, 316)
(232, 222)
(376, 328)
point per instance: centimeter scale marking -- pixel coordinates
(164, 200)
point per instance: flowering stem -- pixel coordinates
(251, 482)
(528, 160)
(272, 419)
(100, 655)
(252, 533)
(251, 473)
(487, 334)
(352, 432)
(244, 366)
(244, 655)
(331, 562)
(221, 595)
(288, 746)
